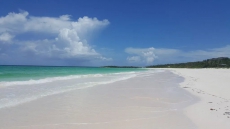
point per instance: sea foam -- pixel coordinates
(52, 79)
(13, 93)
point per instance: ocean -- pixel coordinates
(20, 84)
(91, 98)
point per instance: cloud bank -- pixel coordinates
(54, 38)
(166, 55)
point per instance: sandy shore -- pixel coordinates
(173, 99)
(212, 86)
(150, 100)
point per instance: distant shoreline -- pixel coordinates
(221, 62)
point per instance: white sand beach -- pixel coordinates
(150, 100)
(212, 86)
(172, 99)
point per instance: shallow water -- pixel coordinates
(149, 100)
(36, 73)
(20, 84)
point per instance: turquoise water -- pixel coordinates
(23, 73)
(21, 84)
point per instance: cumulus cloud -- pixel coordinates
(146, 55)
(134, 59)
(61, 37)
(166, 55)
(6, 37)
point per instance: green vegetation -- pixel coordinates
(221, 62)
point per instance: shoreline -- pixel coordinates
(212, 111)
(147, 101)
(182, 98)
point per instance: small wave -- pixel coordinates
(23, 94)
(52, 79)
(10, 102)
(47, 80)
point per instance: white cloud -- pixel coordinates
(105, 59)
(13, 21)
(166, 51)
(146, 55)
(165, 55)
(134, 59)
(215, 52)
(6, 37)
(62, 36)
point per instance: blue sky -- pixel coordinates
(95, 33)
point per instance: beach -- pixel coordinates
(119, 64)
(156, 98)
(151, 99)
(212, 87)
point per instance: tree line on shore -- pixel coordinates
(221, 62)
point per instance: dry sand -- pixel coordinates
(212, 86)
(199, 100)
(149, 101)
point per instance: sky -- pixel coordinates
(102, 32)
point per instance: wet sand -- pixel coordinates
(151, 100)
